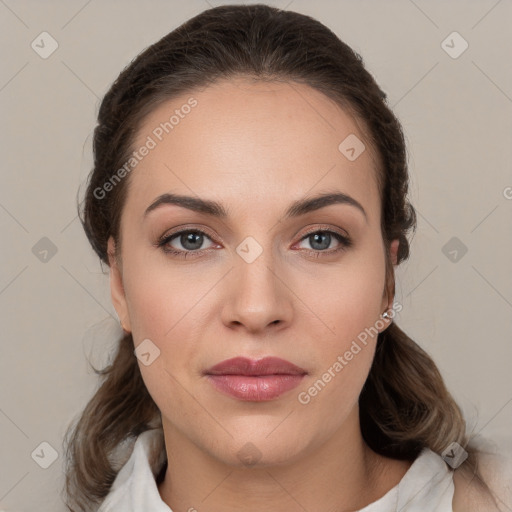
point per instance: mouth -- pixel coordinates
(255, 380)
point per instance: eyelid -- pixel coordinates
(325, 227)
(187, 227)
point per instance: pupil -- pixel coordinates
(326, 237)
(190, 239)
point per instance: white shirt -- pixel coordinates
(426, 487)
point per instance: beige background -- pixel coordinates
(456, 113)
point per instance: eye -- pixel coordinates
(190, 240)
(320, 240)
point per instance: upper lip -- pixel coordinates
(253, 367)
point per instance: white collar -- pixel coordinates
(426, 487)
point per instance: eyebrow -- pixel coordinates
(215, 209)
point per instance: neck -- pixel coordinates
(343, 474)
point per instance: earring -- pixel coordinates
(386, 315)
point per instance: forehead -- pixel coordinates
(261, 142)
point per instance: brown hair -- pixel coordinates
(404, 405)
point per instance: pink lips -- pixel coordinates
(261, 380)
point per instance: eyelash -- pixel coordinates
(345, 243)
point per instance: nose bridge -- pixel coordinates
(257, 295)
(255, 267)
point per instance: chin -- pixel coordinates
(260, 451)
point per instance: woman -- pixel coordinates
(249, 194)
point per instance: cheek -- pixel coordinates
(350, 303)
(160, 298)
(344, 358)
(163, 304)
(349, 299)
(168, 306)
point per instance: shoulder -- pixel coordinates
(493, 491)
(470, 496)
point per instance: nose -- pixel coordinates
(258, 297)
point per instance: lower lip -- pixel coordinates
(255, 388)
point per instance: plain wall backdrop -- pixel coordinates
(455, 104)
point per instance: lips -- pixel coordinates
(251, 367)
(255, 380)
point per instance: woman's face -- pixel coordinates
(267, 278)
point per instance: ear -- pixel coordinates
(116, 287)
(389, 288)
(394, 250)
